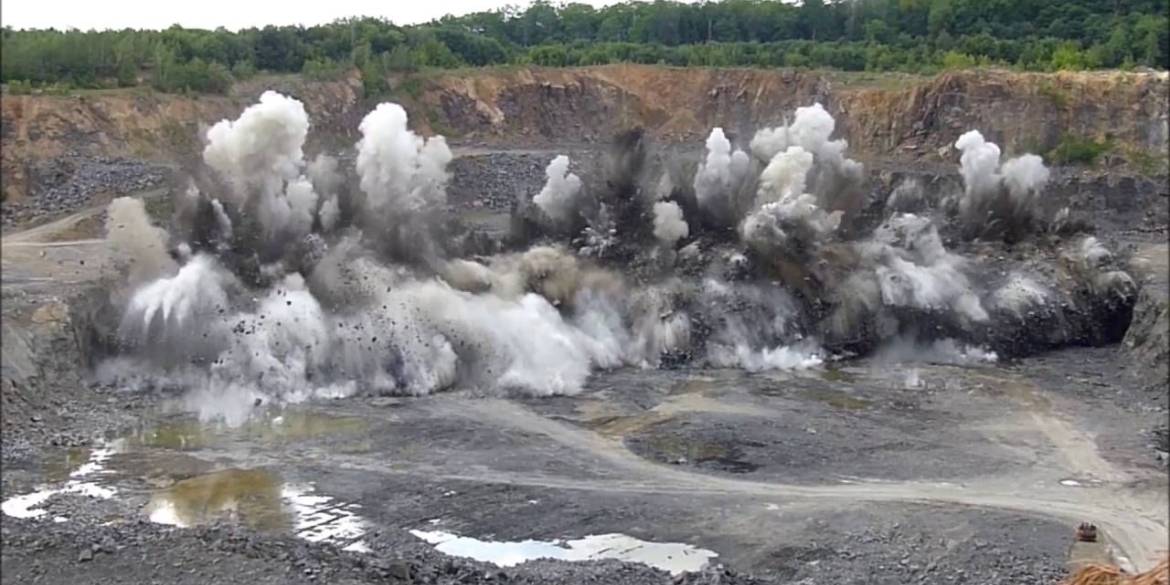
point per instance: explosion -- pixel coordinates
(288, 279)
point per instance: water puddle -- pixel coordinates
(275, 426)
(184, 493)
(718, 380)
(80, 482)
(241, 495)
(836, 399)
(57, 464)
(833, 373)
(258, 499)
(674, 558)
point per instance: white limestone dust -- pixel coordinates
(675, 558)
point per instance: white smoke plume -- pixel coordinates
(669, 225)
(290, 286)
(136, 243)
(263, 147)
(787, 221)
(810, 130)
(998, 202)
(400, 171)
(835, 181)
(1094, 262)
(330, 213)
(222, 221)
(559, 199)
(916, 271)
(1021, 294)
(325, 174)
(260, 155)
(719, 179)
(907, 350)
(907, 197)
(786, 176)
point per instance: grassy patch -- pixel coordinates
(1046, 89)
(1072, 150)
(888, 81)
(410, 86)
(1147, 163)
(159, 208)
(438, 125)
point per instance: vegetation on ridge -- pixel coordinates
(919, 36)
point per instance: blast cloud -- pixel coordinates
(999, 202)
(559, 197)
(720, 180)
(669, 225)
(289, 285)
(136, 243)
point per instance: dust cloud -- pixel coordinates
(288, 279)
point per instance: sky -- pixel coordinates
(230, 14)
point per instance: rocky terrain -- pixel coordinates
(887, 118)
(884, 116)
(888, 469)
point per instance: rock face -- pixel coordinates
(1148, 337)
(892, 116)
(147, 126)
(72, 181)
(884, 117)
(48, 344)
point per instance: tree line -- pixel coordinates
(916, 36)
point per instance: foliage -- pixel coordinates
(323, 69)
(1146, 162)
(913, 36)
(1072, 150)
(410, 86)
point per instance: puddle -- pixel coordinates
(245, 495)
(674, 558)
(261, 501)
(836, 399)
(275, 426)
(57, 464)
(253, 497)
(692, 386)
(835, 374)
(29, 505)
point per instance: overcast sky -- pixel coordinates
(231, 14)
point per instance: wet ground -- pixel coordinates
(788, 475)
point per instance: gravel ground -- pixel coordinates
(495, 180)
(142, 552)
(879, 432)
(70, 182)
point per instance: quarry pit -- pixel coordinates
(782, 442)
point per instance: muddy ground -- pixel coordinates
(867, 471)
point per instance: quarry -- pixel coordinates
(619, 324)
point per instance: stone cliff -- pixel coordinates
(882, 116)
(889, 117)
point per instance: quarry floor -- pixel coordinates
(867, 471)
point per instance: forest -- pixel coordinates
(914, 36)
